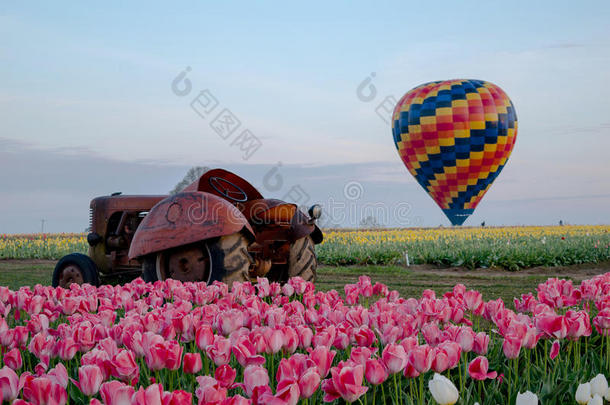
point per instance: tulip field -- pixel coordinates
(265, 343)
(511, 248)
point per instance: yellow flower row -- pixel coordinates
(460, 234)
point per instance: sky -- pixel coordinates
(91, 102)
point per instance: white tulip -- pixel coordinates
(599, 385)
(583, 393)
(607, 396)
(442, 389)
(596, 400)
(527, 398)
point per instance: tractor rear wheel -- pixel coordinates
(75, 268)
(302, 261)
(223, 259)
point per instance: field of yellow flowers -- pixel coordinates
(505, 247)
(41, 246)
(511, 248)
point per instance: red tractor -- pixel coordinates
(218, 228)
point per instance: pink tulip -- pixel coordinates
(287, 393)
(245, 353)
(309, 382)
(116, 393)
(345, 382)
(236, 400)
(43, 391)
(13, 359)
(479, 369)
(204, 336)
(179, 397)
(90, 379)
(579, 324)
(511, 347)
(59, 375)
(192, 363)
(381, 289)
(152, 395)
(364, 336)
(465, 338)
(602, 322)
(375, 371)
(474, 302)
(9, 383)
(209, 391)
(274, 340)
(394, 358)
(361, 354)
(552, 325)
(225, 375)
(219, 351)
(84, 335)
(323, 359)
(124, 366)
(432, 333)
(453, 352)
(408, 343)
(291, 369)
(255, 376)
(230, 321)
(481, 343)
(421, 357)
(305, 336)
(554, 350)
(440, 361)
(155, 357)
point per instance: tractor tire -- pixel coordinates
(228, 257)
(302, 261)
(75, 268)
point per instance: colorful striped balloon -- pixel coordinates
(455, 137)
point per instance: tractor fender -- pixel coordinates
(264, 210)
(185, 218)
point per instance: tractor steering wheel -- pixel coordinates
(228, 190)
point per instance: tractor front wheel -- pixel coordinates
(75, 268)
(302, 261)
(223, 259)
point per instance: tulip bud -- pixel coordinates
(443, 391)
(527, 398)
(583, 393)
(599, 385)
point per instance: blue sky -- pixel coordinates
(92, 83)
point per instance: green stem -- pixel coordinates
(395, 390)
(400, 389)
(421, 389)
(529, 353)
(374, 393)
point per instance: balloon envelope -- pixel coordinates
(455, 136)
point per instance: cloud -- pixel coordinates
(57, 185)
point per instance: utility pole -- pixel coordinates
(42, 221)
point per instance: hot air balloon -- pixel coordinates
(455, 137)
